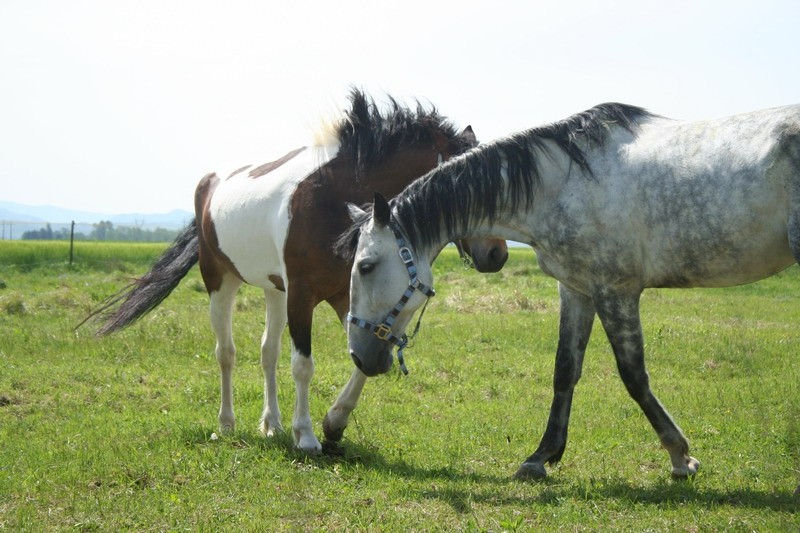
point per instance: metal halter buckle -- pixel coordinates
(406, 256)
(382, 331)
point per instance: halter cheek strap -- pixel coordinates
(384, 330)
(465, 258)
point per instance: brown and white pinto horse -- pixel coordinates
(273, 226)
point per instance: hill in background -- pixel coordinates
(16, 219)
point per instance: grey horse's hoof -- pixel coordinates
(531, 472)
(686, 471)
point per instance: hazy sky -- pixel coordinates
(122, 106)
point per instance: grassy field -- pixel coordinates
(116, 434)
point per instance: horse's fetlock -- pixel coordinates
(270, 428)
(675, 444)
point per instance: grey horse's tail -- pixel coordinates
(144, 294)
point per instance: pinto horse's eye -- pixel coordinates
(365, 268)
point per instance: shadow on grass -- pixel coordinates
(498, 490)
(555, 493)
(343, 453)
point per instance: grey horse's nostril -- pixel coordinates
(356, 360)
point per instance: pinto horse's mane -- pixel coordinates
(368, 134)
(470, 186)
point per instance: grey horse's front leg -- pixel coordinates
(619, 314)
(577, 317)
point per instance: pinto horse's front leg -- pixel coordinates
(577, 317)
(300, 310)
(338, 416)
(619, 314)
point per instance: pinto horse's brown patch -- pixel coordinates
(238, 170)
(213, 262)
(278, 282)
(266, 168)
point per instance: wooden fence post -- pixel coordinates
(71, 241)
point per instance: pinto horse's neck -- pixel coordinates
(344, 182)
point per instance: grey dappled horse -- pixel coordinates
(613, 200)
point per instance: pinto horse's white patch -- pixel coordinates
(251, 216)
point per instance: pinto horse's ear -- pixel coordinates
(468, 135)
(381, 212)
(354, 212)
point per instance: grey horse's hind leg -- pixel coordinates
(794, 244)
(577, 317)
(620, 317)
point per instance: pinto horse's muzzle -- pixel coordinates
(383, 330)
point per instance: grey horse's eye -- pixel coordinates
(365, 267)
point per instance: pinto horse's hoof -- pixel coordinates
(306, 442)
(332, 448)
(684, 472)
(270, 430)
(331, 433)
(531, 472)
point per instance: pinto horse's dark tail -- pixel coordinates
(144, 294)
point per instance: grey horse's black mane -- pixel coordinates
(369, 135)
(470, 186)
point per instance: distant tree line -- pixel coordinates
(103, 231)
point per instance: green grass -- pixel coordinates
(29, 255)
(115, 434)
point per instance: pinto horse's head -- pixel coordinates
(487, 255)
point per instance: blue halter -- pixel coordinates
(384, 330)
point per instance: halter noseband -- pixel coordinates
(384, 330)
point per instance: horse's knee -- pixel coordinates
(302, 367)
(567, 374)
(635, 378)
(269, 356)
(226, 355)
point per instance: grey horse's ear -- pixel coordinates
(381, 213)
(354, 211)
